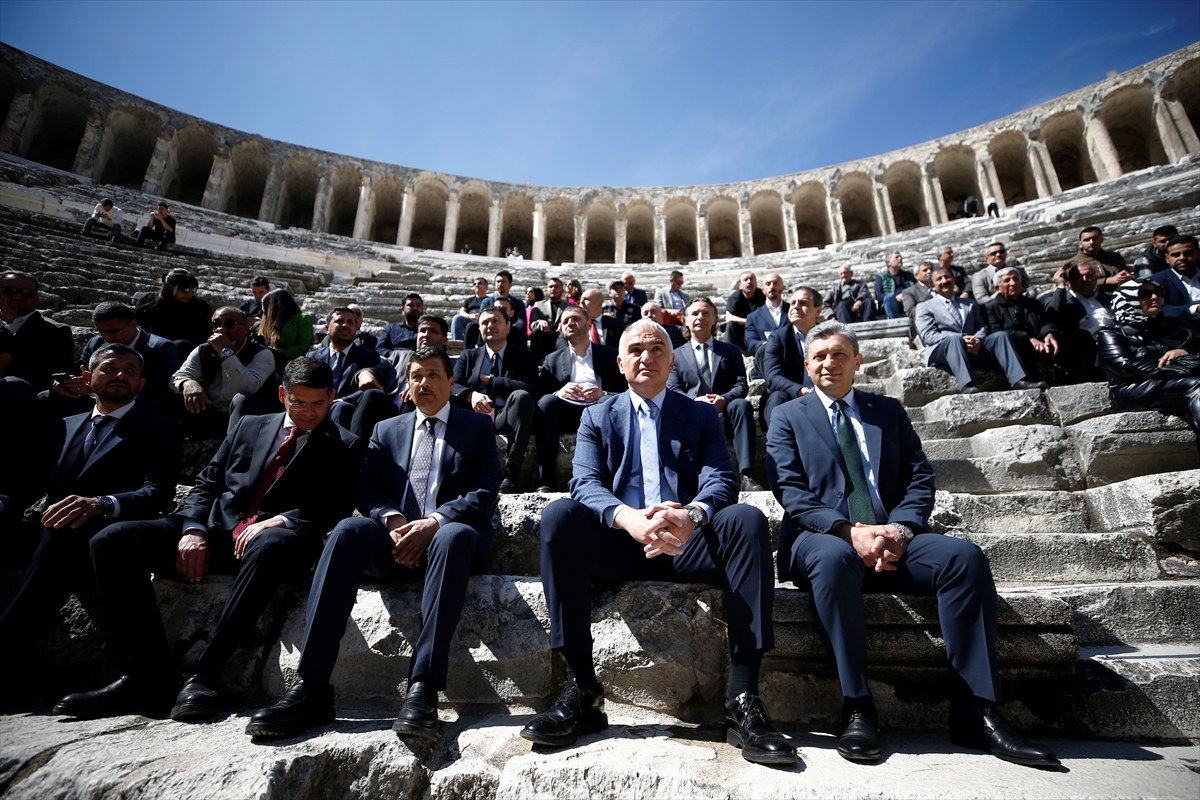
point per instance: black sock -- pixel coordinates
(581, 669)
(744, 676)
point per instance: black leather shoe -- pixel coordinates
(508, 486)
(748, 726)
(1028, 384)
(129, 694)
(419, 715)
(545, 489)
(576, 712)
(303, 707)
(982, 728)
(197, 700)
(751, 485)
(859, 739)
(970, 388)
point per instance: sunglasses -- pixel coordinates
(13, 291)
(1146, 294)
(227, 324)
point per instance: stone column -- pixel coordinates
(580, 238)
(833, 211)
(157, 168)
(745, 228)
(363, 215)
(883, 206)
(987, 169)
(1103, 154)
(539, 232)
(660, 237)
(321, 204)
(622, 241)
(1168, 134)
(495, 216)
(450, 235)
(790, 233)
(1040, 165)
(215, 191)
(407, 211)
(85, 155)
(268, 210)
(1187, 133)
(702, 244)
(14, 123)
(936, 202)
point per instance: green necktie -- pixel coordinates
(859, 500)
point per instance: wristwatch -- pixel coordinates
(697, 515)
(905, 531)
(227, 352)
(108, 506)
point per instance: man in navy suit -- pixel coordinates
(356, 369)
(43, 347)
(426, 495)
(570, 380)
(117, 462)
(633, 294)
(857, 492)
(712, 372)
(1181, 281)
(783, 359)
(654, 498)
(770, 317)
(402, 335)
(956, 337)
(497, 380)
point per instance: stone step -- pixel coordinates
(1135, 613)
(1146, 692)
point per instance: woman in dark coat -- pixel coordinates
(177, 314)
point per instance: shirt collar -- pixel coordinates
(586, 355)
(640, 402)
(493, 353)
(443, 415)
(828, 401)
(118, 414)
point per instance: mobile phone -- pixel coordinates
(63, 377)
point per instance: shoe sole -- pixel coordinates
(971, 743)
(192, 711)
(859, 757)
(593, 725)
(757, 756)
(275, 731)
(404, 727)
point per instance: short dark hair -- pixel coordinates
(343, 310)
(107, 202)
(1183, 240)
(118, 349)
(813, 293)
(940, 268)
(436, 320)
(1166, 230)
(162, 204)
(705, 300)
(110, 310)
(1090, 229)
(676, 274)
(260, 280)
(429, 354)
(310, 372)
(10, 273)
(555, 279)
(574, 309)
(494, 309)
(504, 274)
(412, 295)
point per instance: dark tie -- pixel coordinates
(958, 320)
(339, 359)
(418, 470)
(271, 474)
(859, 500)
(494, 373)
(94, 434)
(705, 372)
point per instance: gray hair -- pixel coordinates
(1006, 271)
(642, 325)
(830, 329)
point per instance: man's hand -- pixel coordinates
(1119, 278)
(1170, 356)
(1060, 277)
(73, 510)
(481, 403)
(1038, 345)
(713, 400)
(412, 539)
(76, 386)
(191, 556)
(679, 531)
(541, 325)
(858, 304)
(1051, 344)
(251, 531)
(641, 524)
(219, 341)
(880, 546)
(366, 380)
(973, 343)
(195, 399)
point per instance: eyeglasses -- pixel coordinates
(1146, 294)
(227, 324)
(296, 405)
(997, 252)
(12, 291)
(113, 331)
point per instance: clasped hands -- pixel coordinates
(663, 528)
(880, 546)
(410, 540)
(580, 392)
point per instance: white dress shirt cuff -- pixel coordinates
(706, 508)
(610, 514)
(116, 507)
(196, 527)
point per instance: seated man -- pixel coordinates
(108, 216)
(364, 339)
(543, 334)
(1079, 304)
(856, 520)
(1035, 335)
(919, 292)
(849, 300)
(516, 312)
(740, 304)
(983, 284)
(497, 379)
(426, 494)
(402, 335)
(252, 306)
(1154, 257)
(653, 312)
(955, 337)
(769, 317)
(600, 329)
(117, 462)
(355, 369)
(42, 347)
(115, 322)
(633, 294)
(712, 372)
(783, 360)
(203, 391)
(654, 498)
(570, 380)
(891, 283)
(1111, 271)
(160, 228)
(946, 259)
(619, 306)
(1180, 279)
(672, 297)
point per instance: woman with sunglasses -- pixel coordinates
(176, 313)
(1152, 361)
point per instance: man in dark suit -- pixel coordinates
(1181, 281)
(857, 492)
(1078, 301)
(426, 495)
(43, 347)
(601, 329)
(543, 335)
(654, 498)
(117, 462)
(633, 294)
(710, 371)
(769, 318)
(356, 369)
(402, 335)
(783, 359)
(570, 380)
(116, 322)
(849, 300)
(497, 380)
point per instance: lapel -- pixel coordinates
(872, 430)
(32, 325)
(314, 448)
(479, 362)
(449, 448)
(562, 364)
(73, 442)
(263, 449)
(404, 440)
(621, 411)
(686, 366)
(717, 361)
(112, 439)
(818, 418)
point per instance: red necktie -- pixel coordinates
(595, 336)
(271, 474)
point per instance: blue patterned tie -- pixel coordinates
(94, 434)
(418, 471)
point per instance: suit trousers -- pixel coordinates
(515, 420)
(997, 349)
(956, 571)
(844, 312)
(125, 554)
(733, 549)
(1076, 355)
(553, 418)
(361, 548)
(739, 426)
(1179, 396)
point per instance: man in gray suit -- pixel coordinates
(672, 297)
(956, 337)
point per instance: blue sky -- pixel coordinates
(620, 94)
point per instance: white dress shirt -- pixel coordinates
(117, 415)
(583, 370)
(856, 423)
(442, 418)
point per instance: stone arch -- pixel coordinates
(903, 180)
(1010, 157)
(639, 232)
(600, 246)
(1187, 89)
(389, 202)
(55, 126)
(857, 196)
(681, 230)
(249, 163)
(956, 170)
(429, 214)
(127, 146)
(560, 230)
(1128, 113)
(10, 79)
(724, 228)
(517, 228)
(344, 188)
(1063, 136)
(298, 193)
(189, 163)
(812, 217)
(766, 223)
(474, 214)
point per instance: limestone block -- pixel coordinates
(919, 385)
(756, 387)
(1166, 506)
(969, 414)
(1068, 557)
(1112, 614)
(1081, 401)
(1024, 458)
(1027, 512)
(517, 522)
(1148, 693)
(1125, 445)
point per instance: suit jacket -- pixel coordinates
(551, 312)
(663, 297)
(1066, 310)
(357, 359)
(160, 359)
(42, 348)
(1023, 316)
(137, 462)
(934, 322)
(637, 297)
(783, 363)
(913, 296)
(555, 371)
(469, 471)
(1178, 303)
(760, 325)
(692, 449)
(35, 444)
(728, 371)
(314, 490)
(983, 283)
(850, 292)
(808, 476)
(518, 370)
